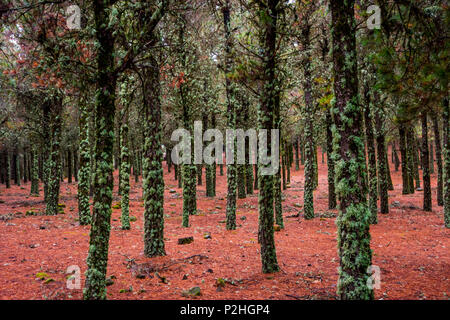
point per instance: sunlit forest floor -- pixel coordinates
(410, 246)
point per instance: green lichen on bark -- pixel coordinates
(425, 165)
(231, 94)
(372, 166)
(95, 284)
(34, 191)
(53, 161)
(152, 164)
(268, 15)
(354, 216)
(446, 155)
(84, 171)
(125, 169)
(381, 156)
(330, 163)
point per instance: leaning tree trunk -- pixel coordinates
(440, 182)
(354, 217)
(425, 165)
(97, 261)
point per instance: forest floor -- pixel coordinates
(410, 246)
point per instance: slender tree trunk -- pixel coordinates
(54, 159)
(84, 173)
(440, 182)
(188, 169)
(330, 163)
(372, 162)
(403, 153)
(381, 159)
(353, 221)
(8, 168)
(125, 168)
(411, 153)
(297, 156)
(34, 191)
(396, 159)
(309, 128)
(231, 120)
(69, 166)
(446, 154)
(425, 165)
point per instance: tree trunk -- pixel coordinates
(446, 171)
(269, 92)
(95, 284)
(425, 165)
(372, 162)
(153, 180)
(381, 158)
(403, 154)
(330, 163)
(353, 221)
(125, 168)
(231, 120)
(440, 182)
(84, 173)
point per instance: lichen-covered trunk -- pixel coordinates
(231, 120)
(330, 163)
(308, 197)
(381, 159)
(446, 154)
(34, 190)
(440, 181)
(125, 168)
(372, 162)
(425, 165)
(278, 182)
(8, 169)
(153, 181)
(411, 153)
(54, 159)
(404, 158)
(353, 221)
(269, 91)
(189, 171)
(69, 166)
(84, 171)
(297, 156)
(211, 168)
(396, 159)
(97, 260)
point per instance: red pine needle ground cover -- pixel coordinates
(410, 246)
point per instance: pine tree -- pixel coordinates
(354, 216)
(425, 165)
(268, 14)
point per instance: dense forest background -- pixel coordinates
(91, 91)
